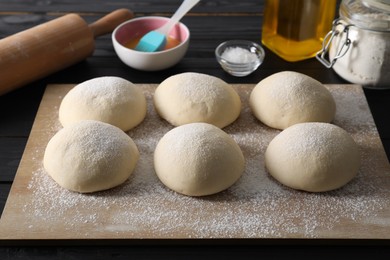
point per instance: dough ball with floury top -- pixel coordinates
(194, 97)
(198, 159)
(287, 98)
(112, 100)
(90, 156)
(313, 157)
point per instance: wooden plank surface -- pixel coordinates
(255, 207)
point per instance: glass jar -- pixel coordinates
(358, 46)
(295, 29)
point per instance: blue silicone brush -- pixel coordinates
(156, 40)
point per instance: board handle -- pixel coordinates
(109, 22)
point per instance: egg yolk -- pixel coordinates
(171, 43)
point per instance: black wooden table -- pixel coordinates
(210, 23)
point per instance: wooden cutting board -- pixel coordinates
(255, 207)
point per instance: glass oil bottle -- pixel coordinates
(295, 29)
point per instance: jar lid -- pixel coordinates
(367, 14)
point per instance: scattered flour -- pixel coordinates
(254, 207)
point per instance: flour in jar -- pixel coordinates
(367, 61)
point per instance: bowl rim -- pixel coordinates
(182, 43)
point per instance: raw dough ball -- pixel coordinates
(193, 97)
(111, 100)
(198, 159)
(313, 157)
(288, 98)
(90, 156)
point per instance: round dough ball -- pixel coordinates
(198, 159)
(90, 156)
(194, 97)
(112, 100)
(313, 157)
(288, 98)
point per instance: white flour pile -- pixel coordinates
(367, 61)
(255, 207)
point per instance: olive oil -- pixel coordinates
(171, 43)
(295, 29)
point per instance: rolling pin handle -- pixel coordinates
(109, 22)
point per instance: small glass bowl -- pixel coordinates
(244, 66)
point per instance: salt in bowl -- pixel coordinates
(239, 57)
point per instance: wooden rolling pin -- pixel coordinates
(47, 48)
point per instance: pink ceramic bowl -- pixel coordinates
(149, 61)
